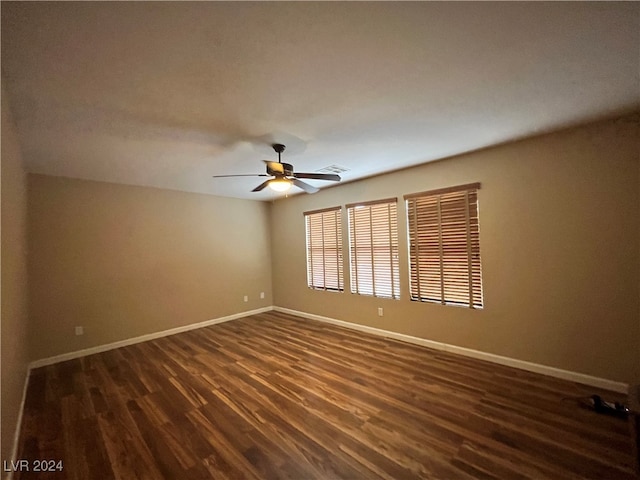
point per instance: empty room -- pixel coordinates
(320, 240)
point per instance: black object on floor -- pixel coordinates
(616, 409)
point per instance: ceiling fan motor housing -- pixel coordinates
(279, 169)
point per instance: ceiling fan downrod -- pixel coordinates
(279, 148)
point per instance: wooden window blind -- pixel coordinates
(324, 249)
(373, 248)
(444, 246)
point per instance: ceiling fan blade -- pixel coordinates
(319, 176)
(242, 175)
(262, 185)
(304, 186)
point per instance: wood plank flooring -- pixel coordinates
(274, 396)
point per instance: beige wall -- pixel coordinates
(13, 288)
(125, 261)
(559, 223)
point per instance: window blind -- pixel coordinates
(373, 248)
(324, 249)
(444, 246)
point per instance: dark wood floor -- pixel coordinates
(274, 396)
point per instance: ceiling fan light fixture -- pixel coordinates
(280, 185)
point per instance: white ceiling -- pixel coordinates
(167, 94)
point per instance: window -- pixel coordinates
(444, 246)
(324, 249)
(373, 248)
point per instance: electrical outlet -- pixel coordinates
(380, 312)
(261, 294)
(79, 330)
(246, 298)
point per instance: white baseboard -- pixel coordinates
(16, 433)
(143, 338)
(490, 357)
(467, 352)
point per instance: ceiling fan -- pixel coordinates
(284, 176)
